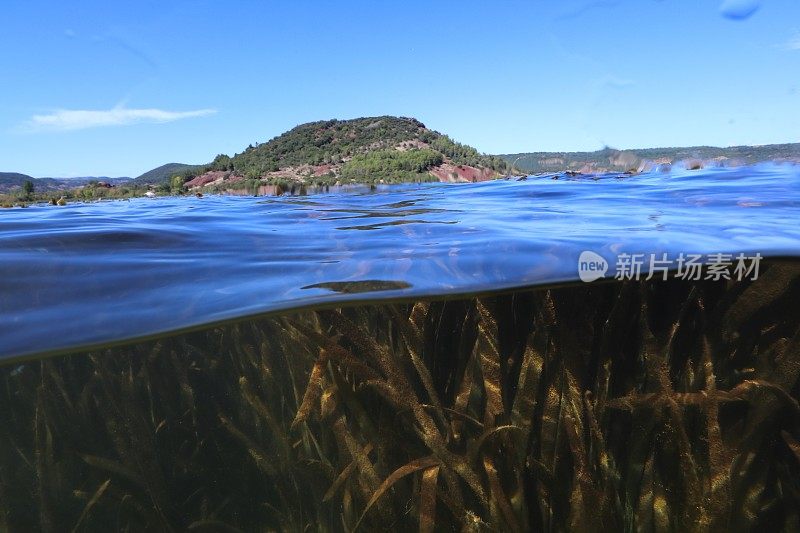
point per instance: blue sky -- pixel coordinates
(113, 88)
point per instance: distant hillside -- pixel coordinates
(610, 160)
(163, 173)
(13, 181)
(83, 180)
(365, 150)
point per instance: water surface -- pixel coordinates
(90, 274)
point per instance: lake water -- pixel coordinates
(90, 274)
(422, 357)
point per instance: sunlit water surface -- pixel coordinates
(92, 274)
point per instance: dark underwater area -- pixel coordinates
(612, 406)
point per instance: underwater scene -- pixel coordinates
(358, 266)
(623, 405)
(485, 385)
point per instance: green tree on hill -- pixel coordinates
(176, 183)
(28, 188)
(391, 165)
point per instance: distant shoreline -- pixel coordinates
(370, 151)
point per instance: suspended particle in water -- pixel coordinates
(738, 9)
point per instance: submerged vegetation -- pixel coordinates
(649, 406)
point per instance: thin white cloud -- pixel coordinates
(612, 81)
(80, 119)
(793, 43)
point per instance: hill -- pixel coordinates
(9, 180)
(83, 180)
(611, 160)
(14, 181)
(365, 150)
(163, 173)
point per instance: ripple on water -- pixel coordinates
(93, 273)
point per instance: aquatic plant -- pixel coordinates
(622, 406)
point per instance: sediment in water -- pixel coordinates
(630, 405)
